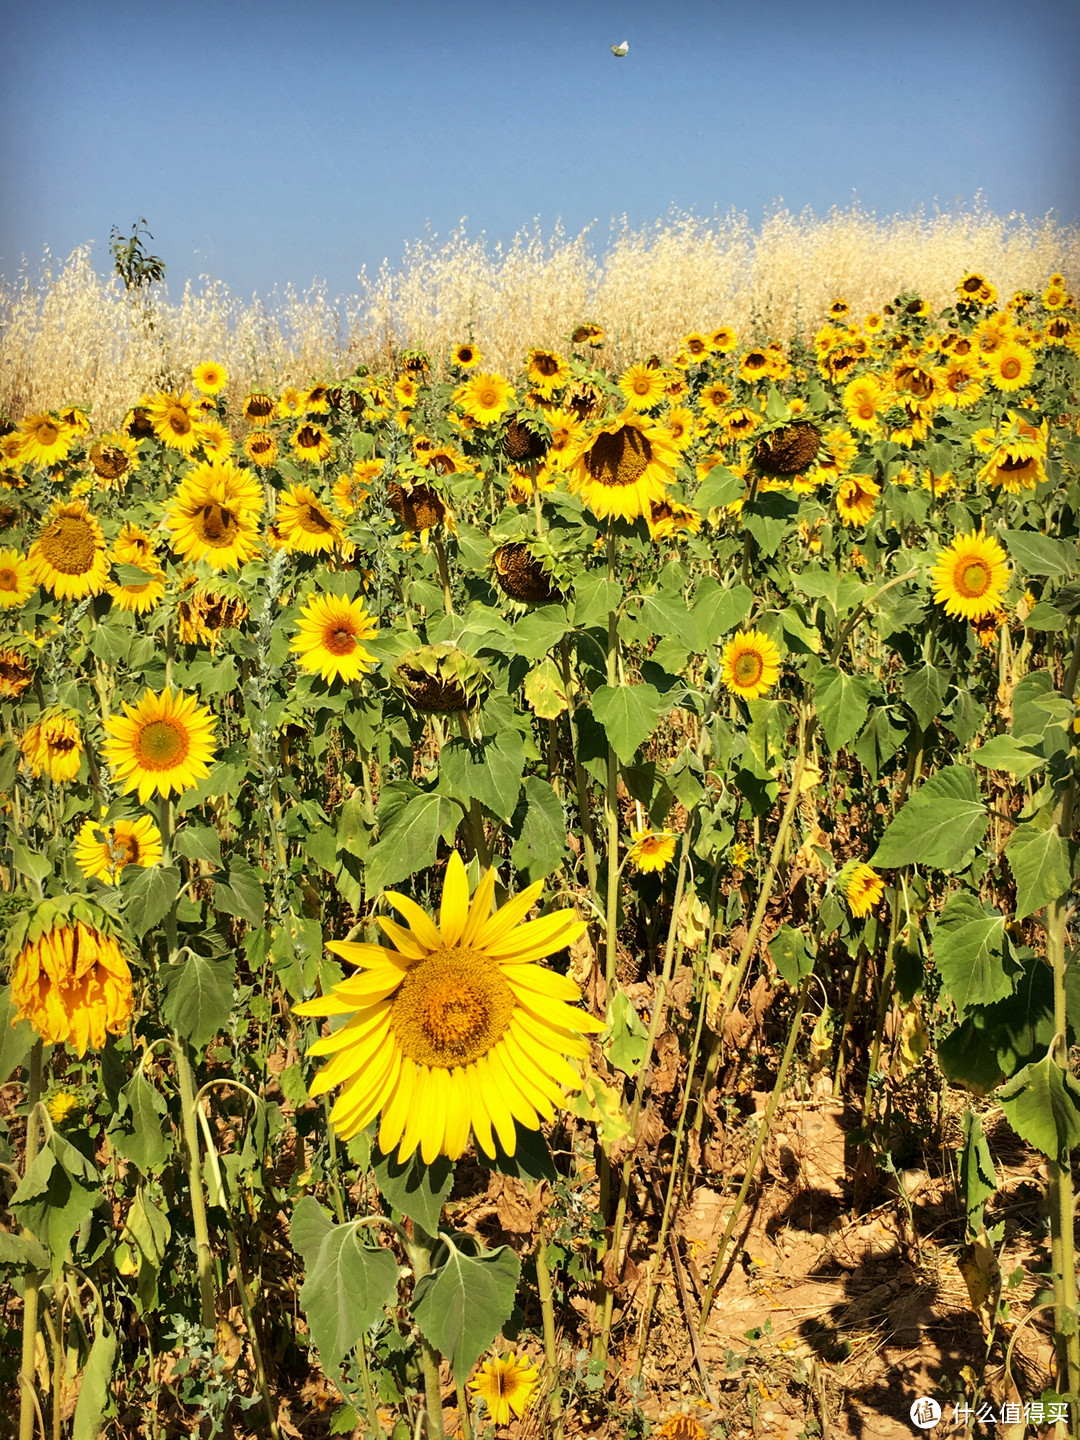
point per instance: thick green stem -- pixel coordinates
(552, 1399)
(420, 1249)
(28, 1407)
(204, 1259)
(581, 780)
(444, 576)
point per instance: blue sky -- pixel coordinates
(270, 143)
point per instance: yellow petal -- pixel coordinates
(405, 940)
(397, 1111)
(324, 1005)
(457, 1114)
(454, 910)
(480, 909)
(359, 1090)
(417, 1115)
(481, 1120)
(544, 1054)
(417, 919)
(434, 1128)
(366, 955)
(537, 939)
(543, 982)
(532, 1069)
(369, 987)
(519, 1106)
(531, 1093)
(368, 1056)
(363, 1115)
(354, 1030)
(556, 1013)
(553, 1036)
(496, 1106)
(504, 920)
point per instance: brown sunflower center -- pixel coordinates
(178, 421)
(310, 518)
(60, 742)
(451, 1008)
(69, 545)
(642, 384)
(125, 850)
(619, 459)
(546, 364)
(309, 438)
(161, 745)
(9, 578)
(216, 525)
(748, 668)
(487, 397)
(47, 433)
(339, 641)
(973, 580)
(1010, 368)
(109, 461)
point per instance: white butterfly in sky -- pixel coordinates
(620, 50)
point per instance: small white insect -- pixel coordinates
(620, 50)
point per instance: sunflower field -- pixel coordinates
(497, 867)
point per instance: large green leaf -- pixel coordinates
(924, 690)
(198, 996)
(596, 596)
(719, 608)
(842, 702)
(978, 1178)
(1040, 863)
(347, 1284)
(1005, 752)
(145, 1143)
(90, 1408)
(56, 1195)
(939, 825)
(540, 824)
(148, 894)
(241, 892)
(489, 771)
(629, 715)
(789, 953)
(1040, 555)
(969, 951)
(1042, 1104)
(879, 741)
(16, 1037)
(720, 487)
(417, 1190)
(409, 839)
(463, 1305)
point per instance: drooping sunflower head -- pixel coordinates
(750, 664)
(668, 518)
(259, 408)
(522, 575)
(137, 423)
(261, 448)
(69, 556)
(855, 499)
(203, 611)
(103, 849)
(525, 440)
(69, 976)
(330, 635)
(620, 468)
(439, 679)
(418, 507)
(587, 333)
(112, 458)
(971, 576)
(789, 449)
(16, 672)
(163, 745)
(311, 443)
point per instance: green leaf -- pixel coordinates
(1042, 1104)
(1005, 752)
(16, 1038)
(346, 1284)
(489, 771)
(1039, 861)
(417, 1190)
(1039, 555)
(720, 487)
(595, 598)
(148, 894)
(198, 996)
(969, 951)
(463, 1305)
(978, 1178)
(409, 839)
(666, 618)
(924, 690)
(198, 842)
(544, 690)
(241, 892)
(29, 863)
(91, 1406)
(790, 955)
(842, 702)
(719, 608)
(879, 741)
(56, 1195)
(22, 1252)
(939, 825)
(540, 825)
(131, 574)
(145, 1145)
(629, 715)
(625, 1039)
(768, 518)
(535, 634)
(1030, 717)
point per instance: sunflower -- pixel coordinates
(620, 468)
(260, 447)
(63, 1105)
(203, 612)
(506, 1384)
(16, 580)
(173, 416)
(960, 380)
(750, 664)
(418, 508)
(1055, 296)
(214, 438)
(311, 442)
(134, 546)
(137, 424)
(351, 490)
(863, 890)
(406, 392)
(862, 400)
(565, 429)
(143, 595)
(680, 426)
(546, 371)
(714, 398)
(649, 851)
(970, 576)
(305, 523)
(455, 1028)
(111, 458)
(1010, 366)
(162, 744)
(214, 515)
(290, 403)
(723, 339)
(485, 397)
(680, 1425)
(855, 499)
(754, 364)
(740, 422)
(1012, 469)
(465, 355)
(317, 400)
(521, 575)
(16, 673)
(103, 850)
(11, 448)
(667, 519)
(68, 557)
(46, 440)
(259, 408)
(53, 746)
(209, 377)
(329, 635)
(69, 976)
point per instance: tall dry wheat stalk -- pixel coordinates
(67, 334)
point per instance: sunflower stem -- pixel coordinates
(611, 793)
(28, 1406)
(204, 1259)
(420, 1249)
(581, 781)
(444, 576)
(552, 1399)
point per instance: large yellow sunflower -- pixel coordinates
(68, 557)
(103, 850)
(311, 442)
(305, 523)
(970, 576)
(16, 580)
(175, 420)
(162, 744)
(53, 746)
(485, 397)
(71, 981)
(643, 386)
(259, 408)
(1010, 366)
(214, 515)
(855, 498)
(329, 635)
(46, 440)
(465, 355)
(620, 468)
(750, 664)
(111, 458)
(454, 1027)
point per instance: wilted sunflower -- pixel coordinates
(620, 468)
(439, 679)
(970, 576)
(69, 978)
(137, 424)
(175, 420)
(68, 557)
(418, 508)
(522, 576)
(855, 498)
(259, 408)
(164, 744)
(46, 440)
(53, 746)
(507, 1385)
(988, 628)
(311, 442)
(465, 355)
(111, 459)
(305, 523)
(649, 851)
(789, 449)
(214, 515)
(103, 850)
(261, 447)
(455, 1028)
(16, 580)
(1010, 367)
(209, 377)
(750, 664)
(16, 673)
(203, 612)
(667, 518)
(863, 890)
(329, 636)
